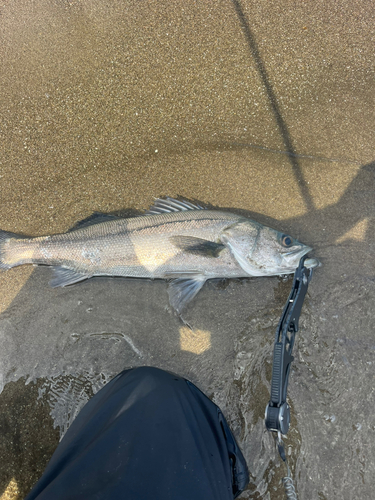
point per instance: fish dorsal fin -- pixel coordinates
(93, 219)
(168, 205)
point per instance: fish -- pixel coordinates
(174, 240)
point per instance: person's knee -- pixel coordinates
(157, 375)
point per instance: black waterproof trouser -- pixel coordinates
(147, 435)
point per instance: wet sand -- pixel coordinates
(254, 107)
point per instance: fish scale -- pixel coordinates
(174, 240)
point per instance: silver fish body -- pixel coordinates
(175, 240)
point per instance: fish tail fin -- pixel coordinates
(8, 257)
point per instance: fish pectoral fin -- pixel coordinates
(65, 277)
(197, 246)
(182, 290)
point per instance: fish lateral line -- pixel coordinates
(183, 243)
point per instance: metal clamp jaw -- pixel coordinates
(277, 415)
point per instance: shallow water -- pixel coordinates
(250, 107)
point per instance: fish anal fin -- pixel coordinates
(65, 277)
(197, 246)
(182, 290)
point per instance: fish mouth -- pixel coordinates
(295, 255)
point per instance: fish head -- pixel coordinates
(263, 251)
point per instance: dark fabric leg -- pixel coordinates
(148, 434)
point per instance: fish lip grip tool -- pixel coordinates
(277, 416)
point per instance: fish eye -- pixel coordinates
(286, 240)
